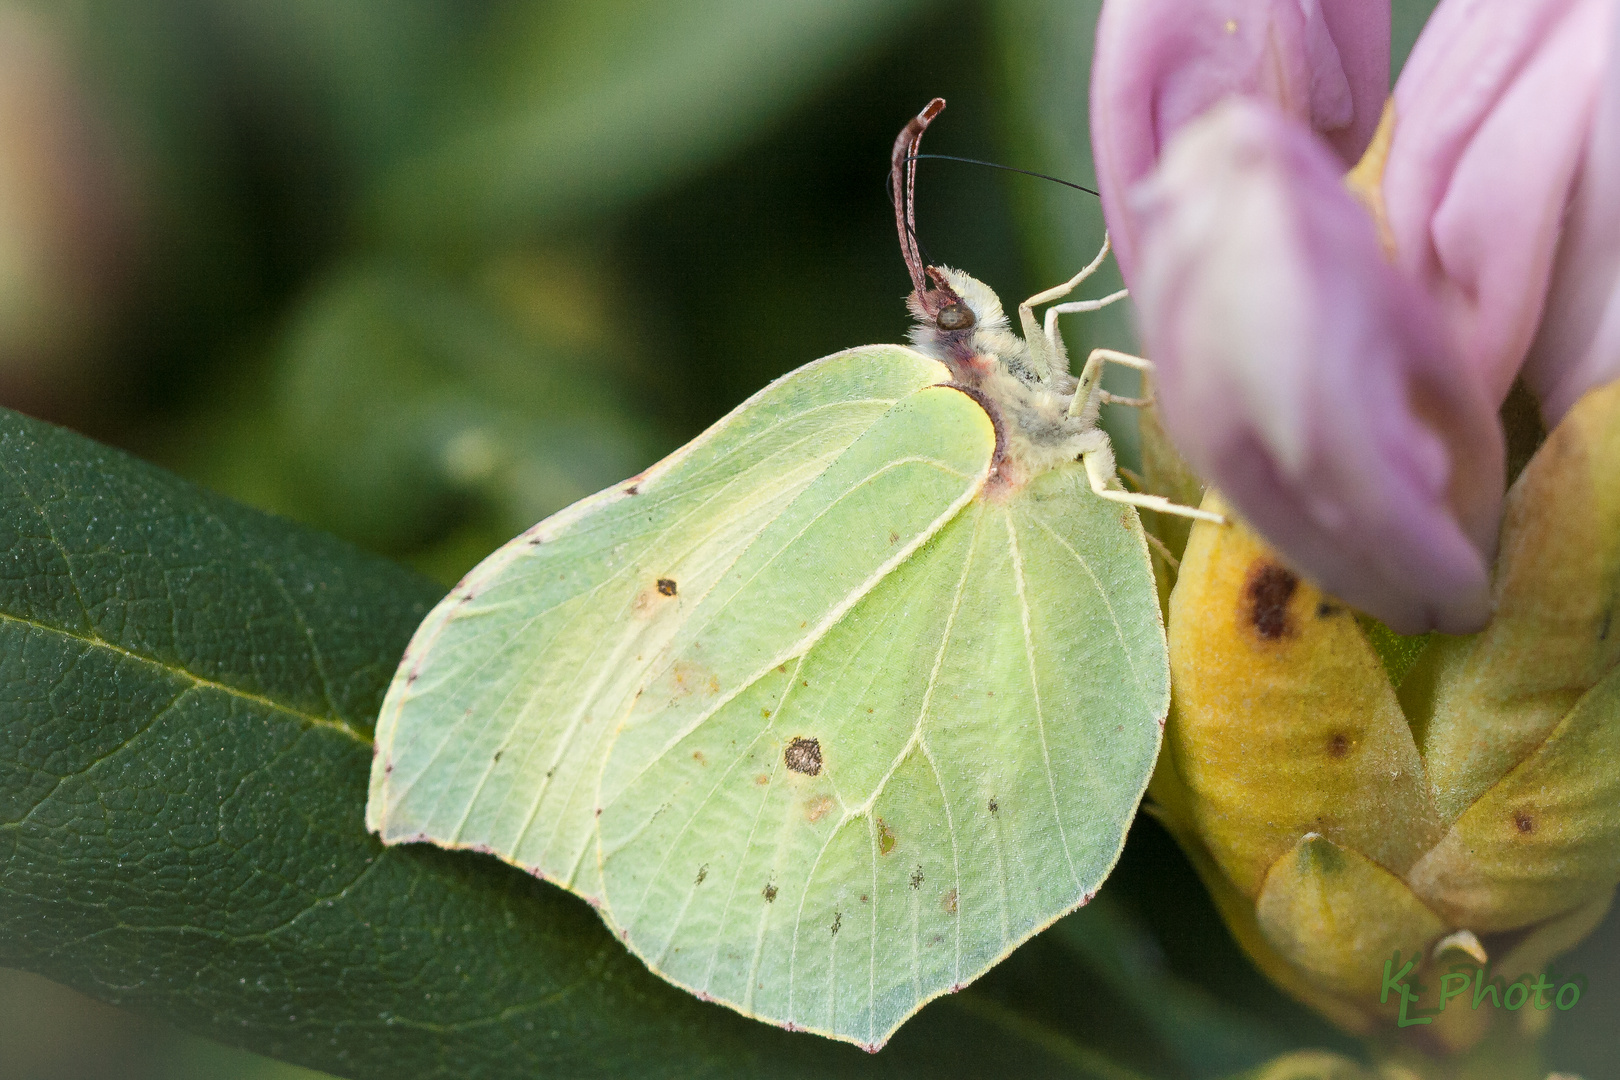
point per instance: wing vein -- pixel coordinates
(1035, 689)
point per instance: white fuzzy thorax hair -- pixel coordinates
(1031, 391)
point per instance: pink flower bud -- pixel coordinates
(1578, 345)
(1305, 378)
(1492, 117)
(1162, 63)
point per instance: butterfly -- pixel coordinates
(836, 705)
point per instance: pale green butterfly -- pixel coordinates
(833, 707)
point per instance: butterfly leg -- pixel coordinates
(1045, 347)
(1099, 455)
(1088, 392)
(1100, 471)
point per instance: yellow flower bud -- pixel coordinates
(1456, 805)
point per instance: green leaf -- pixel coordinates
(184, 746)
(1207, 1035)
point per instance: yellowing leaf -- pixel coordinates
(1311, 1065)
(1546, 837)
(1481, 704)
(1329, 910)
(1239, 912)
(1286, 723)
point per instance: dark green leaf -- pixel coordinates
(186, 693)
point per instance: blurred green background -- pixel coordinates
(420, 272)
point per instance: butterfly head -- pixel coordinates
(960, 322)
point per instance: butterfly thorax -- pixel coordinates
(1029, 401)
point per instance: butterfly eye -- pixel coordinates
(954, 317)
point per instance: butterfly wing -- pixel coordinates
(856, 828)
(494, 729)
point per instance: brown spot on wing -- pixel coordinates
(1266, 593)
(693, 678)
(803, 756)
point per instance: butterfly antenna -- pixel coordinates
(903, 183)
(1006, 168)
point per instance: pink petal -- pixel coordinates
(1308, 380)
(1492, 114)
(1161, 63)
(1578, 345)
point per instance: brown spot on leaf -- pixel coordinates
(769, 892)
(817, 808)
(633, 489)
(1524, 822)
(838, 920)
(886, 840)
(762, 779)
(803, 756)
(894, 538)
(1326, 610)
(1338, 745)
(950, 902)
(1265, 599)
(498, 754)
(863, 898)
(782, 668)
(666, 586)
(703, 872)
(994, 806)
(697, 756)
(917, 877)
(764, 714)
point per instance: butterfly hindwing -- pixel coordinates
(945, 771)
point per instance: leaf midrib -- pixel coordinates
(197, 681)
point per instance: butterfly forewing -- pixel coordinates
(495, 727)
